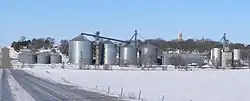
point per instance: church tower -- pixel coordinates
(180, 36)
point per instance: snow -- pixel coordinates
(13, 54)
(198, 85)
(18, 92)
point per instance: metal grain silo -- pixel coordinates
(128, 55)
(236, 54)
(55, 58)
(226, 59)
(148, 54)
(27, 58)
(43, 58)
(80, 48)
(110, 53)
(217, 54)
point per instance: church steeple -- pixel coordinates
(180, 36)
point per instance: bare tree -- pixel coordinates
(64, 47)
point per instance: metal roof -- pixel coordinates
(147, 45)
(108, 42)
(80, 38)
(128, 45)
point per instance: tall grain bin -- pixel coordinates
(237, 54)
(226, 59)
(148, 54)
(80, 49)
(236, 57)
(110, 53)
(217, 54)
(128, 55)
(55, 58)
(43, 58)
(27, 58)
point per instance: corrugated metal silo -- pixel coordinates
(148, 54)
(226, 59)
(27, 58)
(110, 53)
(80, 48)
(55, 58)
(217, 54)
(43, 58)
(128, 55)
(237, 54)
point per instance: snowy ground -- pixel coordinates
(200, 85)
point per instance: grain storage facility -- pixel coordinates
(55, 58)
(148, 54)
(128, 55)
(226, 59)
(27, 58)
(80, 50)
(43, 58)
(110, 53)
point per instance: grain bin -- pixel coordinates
(55, 58)
(43, 58)
(27, 58)
(148, 54)
(128, 55)
(237, 54)
(226, 59)
(80, 48)
(110, 53)
(217, 54)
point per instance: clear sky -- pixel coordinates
(65, 19)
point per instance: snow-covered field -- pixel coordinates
(209, 85)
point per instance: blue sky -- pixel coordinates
(64, 19)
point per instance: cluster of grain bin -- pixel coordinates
(225, 58)
(30, 57)
(48, 58)
(81, 50)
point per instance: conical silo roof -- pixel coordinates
(80, 38)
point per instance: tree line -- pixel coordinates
(38, 43)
